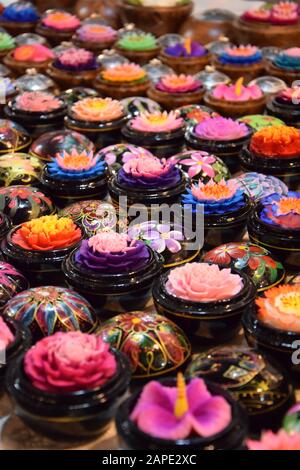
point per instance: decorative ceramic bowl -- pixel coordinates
(230, 438)
(259, 121)
(23, 203)
(153, 344)
(195, 113)
(52, 143)
(84, 414)
(5, 225)
(257, 262)
(19, 168)
(252, 378)
(12, 282)
(116, 155)
(46, 310)
(72, 95)
(13, 137)
(135, 105)
(207, 322)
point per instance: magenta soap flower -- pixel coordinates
(175, 413)
(219, 128)
(178, 84)
(69, 362)
(157, 122)
(6, 335)
(276, 441)
(202, 282)
(237, 92)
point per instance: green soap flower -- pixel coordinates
(138, 42)
(6, 41)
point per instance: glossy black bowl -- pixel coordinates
(227, 150)
(82, 414)
(232, 437)
(284, 244)
(64, 191)
(20, 345)
(289, 113)
(286, 169)
(5, 225)
(161, 144)
(282, 345)
(113, 293)
(39, 267)
(206, 323)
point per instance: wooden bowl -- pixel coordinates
(186, 65)
(20, 67)
(68, 79)
(235, 109)
(118, 91)
(139, 57)
(288, 76)
(262, 34)
(172, 100)
(249, 72)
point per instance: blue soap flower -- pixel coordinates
(227, 58)
(21, 12)
(76, 166)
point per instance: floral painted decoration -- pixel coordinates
(11, 282)
(47, 233)
(76, 59)
(259, 121)
(157, 122)
(160, 236)
(97, 109)
(282, 211)
(20, 12)
(216, 198)
(220, 128)
(237, 92)
(48, 309)
(279, 308)
(179, 84)
(149, 173)
(289, 96)
(254, 260)
(203, 282)
(194, 113)
(275, 441)
(112, 253)
(200, 165)
(240, 55)
(76, 165)
(94, 32)
(258, 186)
(38, 102)
(187, 48)
(32, 53)
(61, 21)
(276, 141)
(124, 73)
(19, 168)
(137, 41)
(116, 155)
(289, 59)
(176, 413)
(6, 335)
(69, 362)
(153, 344)
(282, 13)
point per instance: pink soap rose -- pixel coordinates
(202, 282)
(6, 336)
(69, 362)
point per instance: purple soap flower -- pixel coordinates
(186, 49)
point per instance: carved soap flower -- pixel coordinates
(219, 128)
(280, 307)
(187, 48)
(203, 282)
(32, 53)
(178, 84)
(276, 141)
(289, 96)
(6, 335)
(7, 42)
(20, 12)
(94, 32)
(76, 165)
(69, 362)
(289, 59)
(149, 172)
(112, 253)
(97, 109)
(282, 211)
(124, 73)
(137, 41)
(176, 413)
(157, 122)
(217, 198)
(282, 13)
(281, 440)
(76, 60)
(61, 21)
(160, 237)
(47, 233)
(237, 92)
(38, 102)
(240, 55)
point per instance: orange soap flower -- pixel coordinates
(124, 73)
(47, 233)
(276, 141)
